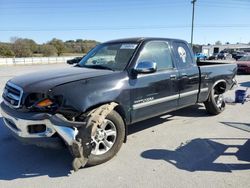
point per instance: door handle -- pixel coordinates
(173, 77)
(184, 75)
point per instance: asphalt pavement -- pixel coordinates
(185, 148)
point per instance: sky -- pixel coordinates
(102, 20)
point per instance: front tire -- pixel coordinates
(215, 103)
(108, 139)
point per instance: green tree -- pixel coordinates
(79, 40)
(79, 45)
(48, 50)
(218, 43)
(31, 44)
(27, 47)
(70, 46)
(58, 44)
(5, 51)
(69, 41)
(87, 45)
(21, 48)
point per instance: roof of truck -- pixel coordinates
(141, 39)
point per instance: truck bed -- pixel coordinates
(211, 72)
(206, 63)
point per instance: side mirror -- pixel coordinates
(145, 67)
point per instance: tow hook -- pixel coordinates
(82, 146)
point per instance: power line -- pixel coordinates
(90, 3)
(224, 6)
(59, 4)
(236, 2)
(41, 7)
(56, 4)
(97, 28)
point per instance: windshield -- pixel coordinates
(112, 56)
(245, 58)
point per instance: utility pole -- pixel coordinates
(192, 29)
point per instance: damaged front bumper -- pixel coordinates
(76, 135)
(41, 129)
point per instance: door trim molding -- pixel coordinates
(155, 101)
(167, 99)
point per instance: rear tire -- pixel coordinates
(116, 120)
(215, 103)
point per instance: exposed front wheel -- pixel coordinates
(107, 139)
(215, 103)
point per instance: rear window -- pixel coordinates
(183, 55)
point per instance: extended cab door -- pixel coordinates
(188, 74)
(154, 93)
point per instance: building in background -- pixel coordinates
(209, 50)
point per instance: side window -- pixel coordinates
(183, 55)
(157, 51)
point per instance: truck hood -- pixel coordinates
(44, 80)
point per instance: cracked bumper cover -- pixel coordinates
(18, 123)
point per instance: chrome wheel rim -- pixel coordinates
(219, 100)
(104, 138)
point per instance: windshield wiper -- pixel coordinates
(98, 67)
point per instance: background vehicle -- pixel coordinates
(244, 64)
(118, 83)
(222, 55)
(213, 57)
(235, 53)
(75, 60)
(200, 56)
(240, 55)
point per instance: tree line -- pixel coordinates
(23, 47)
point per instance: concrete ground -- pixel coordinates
(186, 148)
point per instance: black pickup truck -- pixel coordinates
(90, 105)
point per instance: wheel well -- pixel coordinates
(119, 109)
(122, 113)
(220, 87)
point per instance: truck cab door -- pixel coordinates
(154, 93)
(188, 74)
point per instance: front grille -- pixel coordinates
(12, 95)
